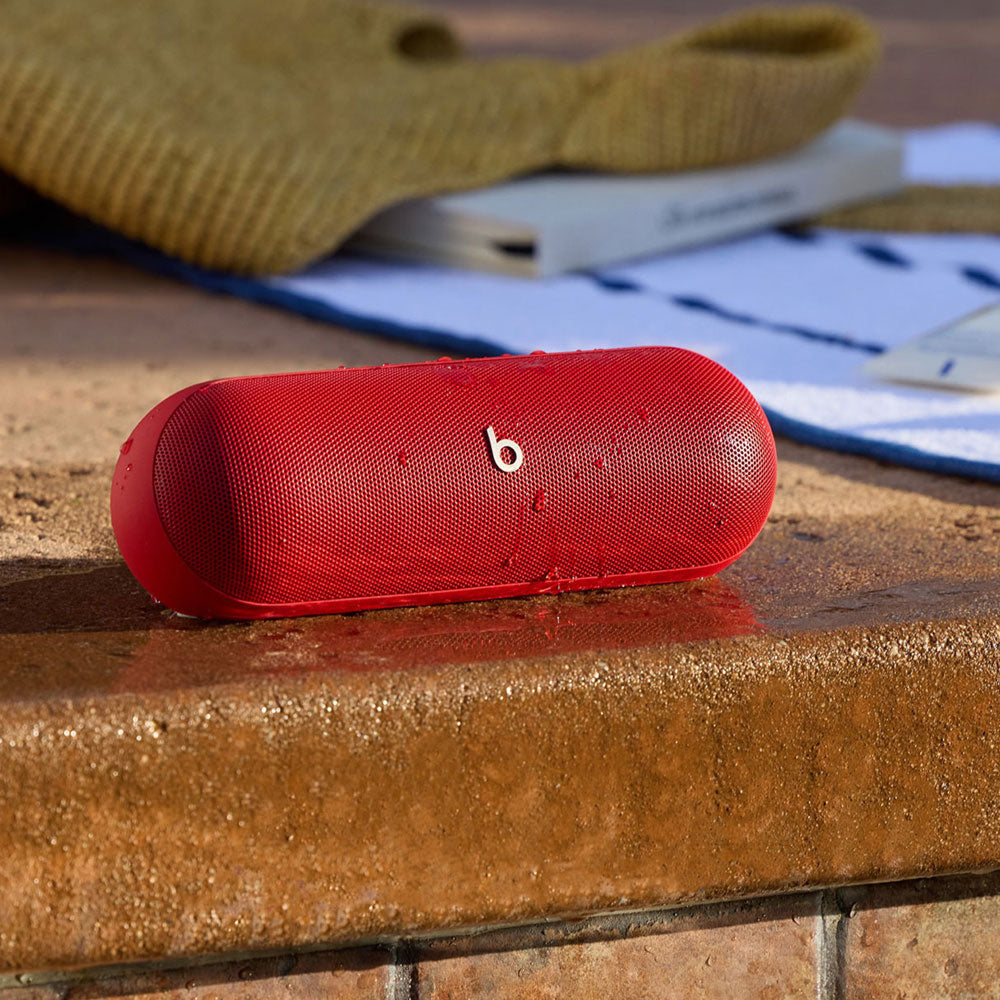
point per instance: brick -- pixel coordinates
(932, 938)
(355, 974)
(764, 949)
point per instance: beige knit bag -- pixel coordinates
(254, 136)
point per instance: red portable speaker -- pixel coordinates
(362, 488)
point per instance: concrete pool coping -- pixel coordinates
(821, 713)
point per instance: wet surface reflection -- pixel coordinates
(68, 633)
(92, 632)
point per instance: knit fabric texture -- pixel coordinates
(253, 136)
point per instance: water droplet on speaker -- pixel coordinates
(598, 463)
(643, 414)
(402, 458)
(539, 501)
(618, 450)
(126, 447)
(128, 468)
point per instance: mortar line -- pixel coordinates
(403, 984)
(846, 912)
(828, 979)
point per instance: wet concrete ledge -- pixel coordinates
(822, 713)
(361, 778)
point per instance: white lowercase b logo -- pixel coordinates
(497, 448)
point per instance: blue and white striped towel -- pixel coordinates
(794, 317)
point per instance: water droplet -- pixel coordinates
(538, 352)
(402, 458)
(539, 502)
(577, 475)
(246, 974)
(126, 447)
(643, 414)
(444, 359)
(598, 463)
(509, 561)
(618, 450)
(128, 468)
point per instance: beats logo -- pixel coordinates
(361, 488)
(497, 450)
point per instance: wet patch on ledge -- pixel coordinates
(97, 631)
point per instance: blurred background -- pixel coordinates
(941, 61)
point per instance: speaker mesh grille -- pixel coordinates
(379, 481)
